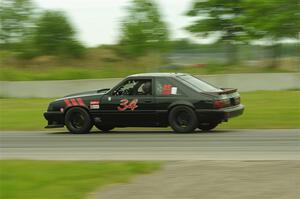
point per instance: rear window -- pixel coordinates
(197, 84)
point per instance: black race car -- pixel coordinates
(181, 101)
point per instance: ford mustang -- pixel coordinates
(181, 101)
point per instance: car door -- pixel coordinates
(128, 105)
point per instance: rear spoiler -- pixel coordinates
(227, 91)
(224, 91)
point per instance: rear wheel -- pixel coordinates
(104, 128)
(77, 120)
(183, 119)
(208, 126)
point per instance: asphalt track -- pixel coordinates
(281, 144)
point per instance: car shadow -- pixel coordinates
(140, 132)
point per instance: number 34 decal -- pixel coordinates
(125, 104)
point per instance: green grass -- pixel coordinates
(64, 73)
(26, 114)
(106, 62)
(70, 73)
(264, 109)
(268, 109)
(20, 179)
(97, 63)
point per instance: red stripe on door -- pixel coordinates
(80, 101)
(68, 103)
(74, 102)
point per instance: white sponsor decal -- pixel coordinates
(94, 106)
(174, 91)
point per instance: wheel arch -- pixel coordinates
(181, 103)
(70, 107)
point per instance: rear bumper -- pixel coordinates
(55, 119)
(224, 114)
(234, 112)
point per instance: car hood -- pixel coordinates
(93, 92)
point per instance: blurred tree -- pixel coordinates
(16, 19)
(54, 35)
(143, 30)
(273, 21)
(220, 19)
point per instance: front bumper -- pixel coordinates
(224, 114)
(55, 119)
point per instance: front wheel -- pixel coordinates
(208, 126)
(104, 128)
(78, 121)
(183, 119)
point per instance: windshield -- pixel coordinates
(197, 84)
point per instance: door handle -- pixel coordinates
(148, 101)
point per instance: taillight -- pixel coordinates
(237, 100)
(221, 103)
(218, 104)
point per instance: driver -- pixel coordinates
(147, 88)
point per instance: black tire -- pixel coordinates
(78, 120)
(104, 128)
(183, 119)
(208, 126)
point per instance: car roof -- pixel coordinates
(157, 75)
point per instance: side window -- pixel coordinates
(135, 87)
(165, 87)
(126, 88)
(144, 88)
